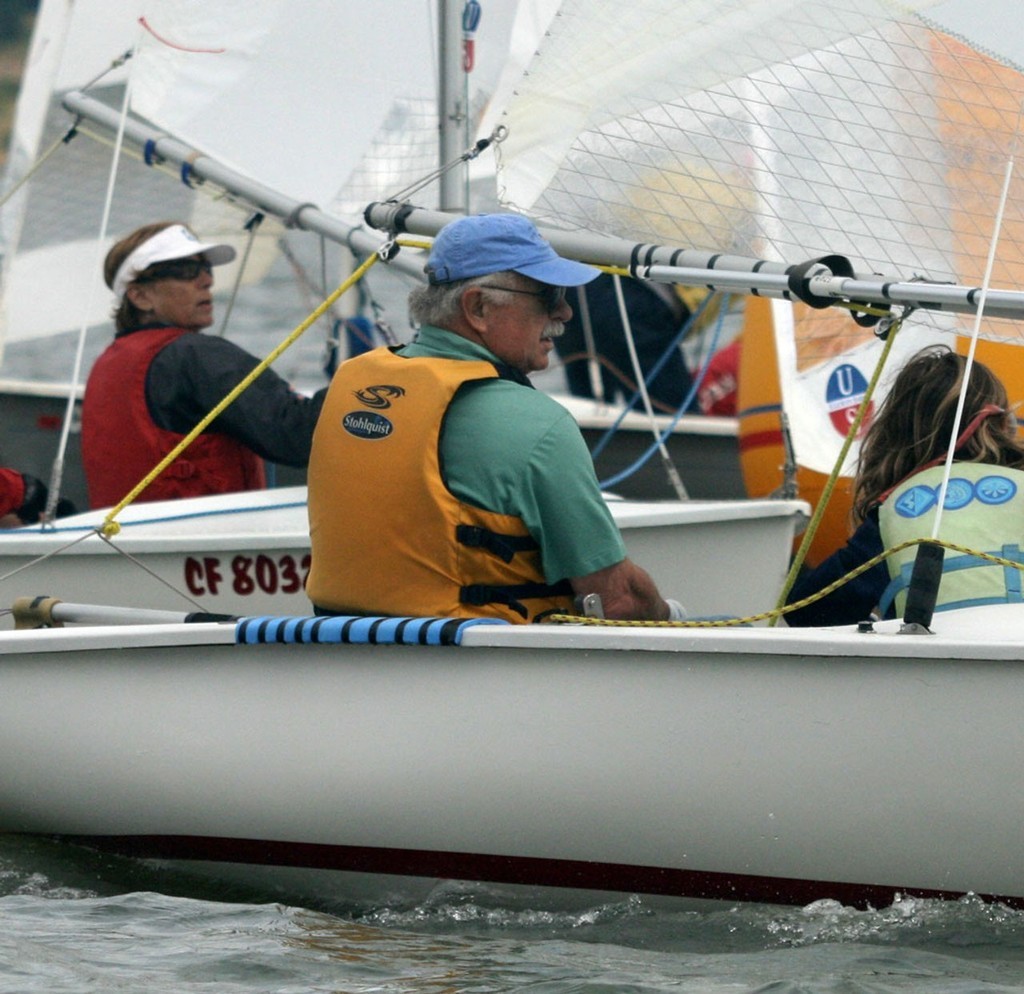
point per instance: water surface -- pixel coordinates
(75, 921)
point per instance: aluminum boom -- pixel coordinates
(307, 216)
(815, 282)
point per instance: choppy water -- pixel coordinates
(74, 921)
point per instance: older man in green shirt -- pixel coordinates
(500, 459)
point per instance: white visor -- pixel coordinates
(175, 242)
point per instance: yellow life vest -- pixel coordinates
(387, 535)
(983, 510)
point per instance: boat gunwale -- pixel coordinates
(34, 540)
(956, 639)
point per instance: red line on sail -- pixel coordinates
(180, 48)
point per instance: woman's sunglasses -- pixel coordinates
(175, 269)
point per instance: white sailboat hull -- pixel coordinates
(739, 764)
(248, 553)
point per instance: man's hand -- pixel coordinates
(627, 593)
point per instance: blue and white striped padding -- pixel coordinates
(357, 630)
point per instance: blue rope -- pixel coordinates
(158, 520)
(687, 400)
(655, 369)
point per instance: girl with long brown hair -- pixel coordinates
(910, 434)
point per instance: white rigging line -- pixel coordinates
(593, 366)
(969, 365)
(57, 470)
(638, 374)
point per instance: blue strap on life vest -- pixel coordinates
(1011, 580)
(356, 630)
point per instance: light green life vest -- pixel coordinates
(983, 510)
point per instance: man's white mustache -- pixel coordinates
(554, 329)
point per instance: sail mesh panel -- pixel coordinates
(780, 131)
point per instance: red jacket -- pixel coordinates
(121, 443)
(718, 391)
(12, 491)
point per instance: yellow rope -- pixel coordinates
(776, 613)
(110, 526)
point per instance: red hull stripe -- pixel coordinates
(530, 871)
(759, 440)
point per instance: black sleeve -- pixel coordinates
(191, 375)
(852, 602)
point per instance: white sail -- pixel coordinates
(291, 95)
(310, 100)
(54, 238)
(877, 131)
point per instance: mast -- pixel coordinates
(452, 113)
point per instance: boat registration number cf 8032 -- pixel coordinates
(246, 575)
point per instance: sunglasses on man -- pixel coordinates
(551, 297)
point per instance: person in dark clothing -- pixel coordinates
(855, 600)
(160, 377)
(904, 452)
(656, 314)
(23, 499)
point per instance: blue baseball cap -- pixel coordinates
(496, 243)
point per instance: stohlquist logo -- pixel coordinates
(367, 424)
(380, 395)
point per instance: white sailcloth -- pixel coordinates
(785, 131)
(312, 100)
(288, 95)
(71, 44)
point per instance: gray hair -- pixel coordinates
(438, 303)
